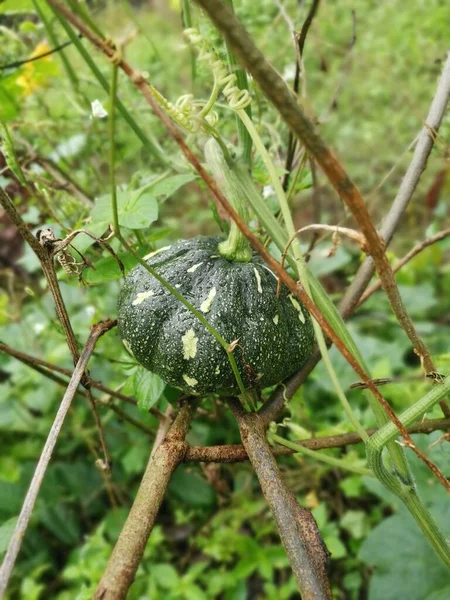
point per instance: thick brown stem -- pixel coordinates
(297, 528)
(130, 546)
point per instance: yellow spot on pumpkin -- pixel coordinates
(258, 280)
(155, 252)
(194, 267)
(189, 340)
(142, 296)
(297, 306)
(191, 381)
(205, 306)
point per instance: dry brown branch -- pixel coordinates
(128, 551)
(260, 70)
(33, 491)
(297, 528)
(46, 259)
(299, 41)
(402, 262)
(232, 453)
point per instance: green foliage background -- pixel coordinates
(215, 537)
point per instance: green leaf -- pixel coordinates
(170, 185)
(165, 575)
(191, 489)
(6, 531)
(146, 387)
(136, 210)
(107, 269)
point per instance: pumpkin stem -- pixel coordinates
(226, 174)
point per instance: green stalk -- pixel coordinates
(407, 494)
(148, 142)
(112, 161)
(236, 247)
(186, 21)
(245, 140)
(325, 458)
(301, 269)
(54, 41)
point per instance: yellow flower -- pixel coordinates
(31, 77)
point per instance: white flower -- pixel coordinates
(268, 191)
(98, 112)
(289, 72)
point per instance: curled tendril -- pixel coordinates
(185, 110)
(182, 112)
(237, 99)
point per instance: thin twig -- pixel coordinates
(300, 44)
(257, 65)
(25, 514)
(297, 528)
(407, 188)
(402, 262)
(130, 546)
(232, 453)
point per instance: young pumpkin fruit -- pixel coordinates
(272, 336)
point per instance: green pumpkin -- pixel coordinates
(274, 335)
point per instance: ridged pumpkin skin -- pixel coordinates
(275, 336)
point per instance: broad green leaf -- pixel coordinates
(137, 209)
(170, 185)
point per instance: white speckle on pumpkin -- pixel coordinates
(258, 280)
(155, 252)
(194, 267)
(142, 296)
(217, 371)
(178, 285)
(205, 306)
(191, 381)
(276, 319)
(297, 306)
(189, 340)
(127, 346)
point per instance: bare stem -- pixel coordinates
(35, 485)
(297, 528)
(130, 546)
